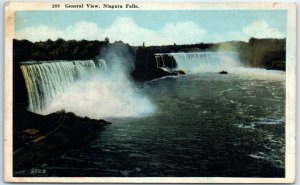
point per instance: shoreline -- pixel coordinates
(41, 137)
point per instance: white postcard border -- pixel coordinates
(10, 7)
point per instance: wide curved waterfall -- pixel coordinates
(201, 61)
(45, 80)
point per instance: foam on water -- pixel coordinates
(259, 73)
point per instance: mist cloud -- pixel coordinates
(105, 94)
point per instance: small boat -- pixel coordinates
(223, 72)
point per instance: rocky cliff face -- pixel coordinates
(267, 53)
(262, 53)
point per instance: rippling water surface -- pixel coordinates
(204, 125)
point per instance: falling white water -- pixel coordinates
(45, 80)
(206, 61)
(199, 62)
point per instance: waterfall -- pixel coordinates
(102, 64)
(201, 61)
(45, 80)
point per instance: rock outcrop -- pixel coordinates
(37, 138)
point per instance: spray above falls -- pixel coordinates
(101, 89)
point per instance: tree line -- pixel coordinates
(24, 50)
(265, 53)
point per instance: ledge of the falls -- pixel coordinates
(37, 137)
(145, 75)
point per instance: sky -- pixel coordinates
(151, 27)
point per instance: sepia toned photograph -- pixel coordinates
(150, 92)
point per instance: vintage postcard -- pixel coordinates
(101, 92)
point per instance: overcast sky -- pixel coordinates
(151, 27)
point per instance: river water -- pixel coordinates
(204, 125)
